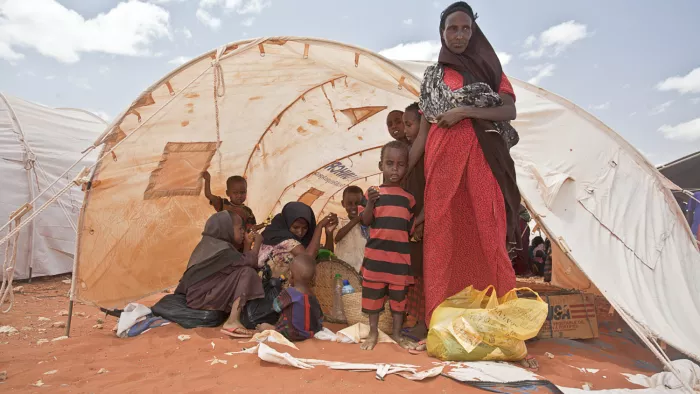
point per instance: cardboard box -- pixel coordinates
(571, 315)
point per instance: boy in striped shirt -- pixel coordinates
(387, 263)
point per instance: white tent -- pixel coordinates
(37, 144)
(303, 118)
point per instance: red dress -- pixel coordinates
(465, 217)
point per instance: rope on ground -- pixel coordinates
(644, 335)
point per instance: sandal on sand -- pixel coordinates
(530, 363)
(238, 332)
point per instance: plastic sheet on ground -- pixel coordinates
(356, 333)
(271, 336)
(266, 353)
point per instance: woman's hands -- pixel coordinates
(452, 117)
(329, 223)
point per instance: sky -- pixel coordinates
(634, 64)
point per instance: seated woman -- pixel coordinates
(218, 277)
(291, 233)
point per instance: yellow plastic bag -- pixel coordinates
(474, 326)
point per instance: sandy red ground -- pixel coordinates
(158, 362)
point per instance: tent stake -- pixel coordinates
(70, 317)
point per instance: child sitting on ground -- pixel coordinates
(352, 236)
(394, 123)
(300, 313)
(415, 184)
(237, 192)
(386, 269)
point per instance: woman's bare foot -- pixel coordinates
(370, 342)
(404, 342)
(530, 363)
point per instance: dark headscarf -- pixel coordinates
(214, 252)
(278, 230)
(479, 63)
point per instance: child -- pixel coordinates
(300, 313)
(414, 182)
(352, 236)
(237, 192)
(394, 123)
(386, 268)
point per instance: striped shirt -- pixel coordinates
(388, 251)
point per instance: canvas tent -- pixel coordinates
(303, 118)
(37, 144)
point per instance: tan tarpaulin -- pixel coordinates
(304, 118)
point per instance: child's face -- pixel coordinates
(238, 230)
(299, 228)
(411, 123)
(350, 203)
(394, 165)
(238, 193)
(394, 123)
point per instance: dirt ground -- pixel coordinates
(93, 359)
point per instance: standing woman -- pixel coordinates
(471, 198)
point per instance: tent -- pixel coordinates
(303, 118)
(37, 144)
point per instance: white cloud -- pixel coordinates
(207, 19)
(504, 57)
(688, 131)
(626, 86)
(103, 69)
(187, 33)
(241, 7)
(601, 107)
(50, 77)
(690, 83)
(421, 50)
(180, 60)
(426, 51)
(530, 41)
(248, 22)
(555, 40)
(81, 83)
(408, 22)
(661, 108)
(633, 114)
(541, 71)
(695, 100)
(61, 33)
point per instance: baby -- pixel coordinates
(300, 313)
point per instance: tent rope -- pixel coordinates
(219, 91)
(8, 265)
(79, 180)
(98, 161)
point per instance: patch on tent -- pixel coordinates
(310, 196)
(114, 137)
(360, 114)
(179, 170)
(145, 100)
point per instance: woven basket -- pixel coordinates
(324, 285)
(353, 312)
